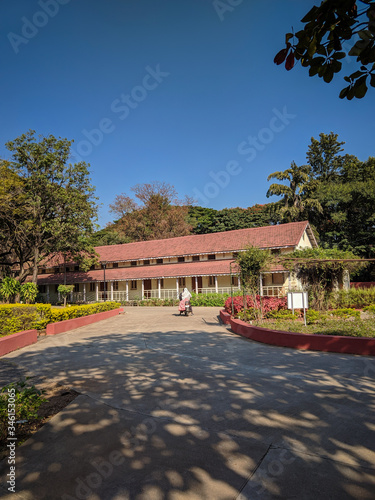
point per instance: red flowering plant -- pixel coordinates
(268, 304)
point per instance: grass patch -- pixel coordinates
(342, 327)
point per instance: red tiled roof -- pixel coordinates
(280, 236)
(206, 268)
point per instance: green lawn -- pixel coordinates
(348, 327)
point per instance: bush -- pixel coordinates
(27, 402)
(29, 292)
(247, 315)
(313, 316)
(18, 317)
(268, 303)
(284, 314)
(209, 299)
(346, 313)
(370, 309)
(353, 298)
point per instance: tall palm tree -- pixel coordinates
(297, 196)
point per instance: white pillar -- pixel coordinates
(127, 290)
(71, 296)
(47, 293)
(159, 288)
(111, 290)
(143, 289)
(260, 285)
(84, 292)
(196, 284)
(216, 285)
(97, 292)
(239, 282)
(177, 287)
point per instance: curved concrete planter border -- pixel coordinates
(71, 324)
(327, 343)
(17, 340)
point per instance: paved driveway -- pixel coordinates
(176, 408)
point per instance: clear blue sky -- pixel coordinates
(176, 87)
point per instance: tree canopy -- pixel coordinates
(47, 204)
(160, 214)
(335, 30)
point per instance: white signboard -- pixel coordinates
(298, 300)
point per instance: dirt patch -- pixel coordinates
(57, 396)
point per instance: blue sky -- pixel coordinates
(171, 90)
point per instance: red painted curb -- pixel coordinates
(17, 340)
(225, 317)
(326, 343)
(71, 324)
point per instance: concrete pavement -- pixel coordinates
(176, 408)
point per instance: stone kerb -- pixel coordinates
(17, 340)
(327, 343)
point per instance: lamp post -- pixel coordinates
(104, 264)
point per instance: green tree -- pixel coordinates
(59, 199)
(321, 271)
(297, 200)
(160, 215)
(323, 43)
(64, 291)
(208, 220)
(252, 262)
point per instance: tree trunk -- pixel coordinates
(35, 265)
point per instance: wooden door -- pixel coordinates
(147, 288)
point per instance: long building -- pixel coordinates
(160, 268)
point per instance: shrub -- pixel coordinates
(29, 292)
(27, 402)
(17, 317)
(9, 288)
(284, 314)
(268, 303)
(247, 315)
(209, 300)
(354, 297)
(370, 309)
(313, 316)
(346, 313)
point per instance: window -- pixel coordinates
(195, 258)
(92, 267)
(278, 279)
(234, 280)
(115, 265)
(42, 271)
(42, 289)
(211, 256)
(146, 262)
(67, 269)
(133, 263)
(76, 287)
(181, 282)
(275, 251)
(101, 286)
(235, 255)
(133, 284)
(159, 261)
(211, 281)
(161, 283)
(181, 259)
(115, 286)
(92, 287)
(76, 268)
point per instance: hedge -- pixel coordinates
(18, 317)
(268, 304)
